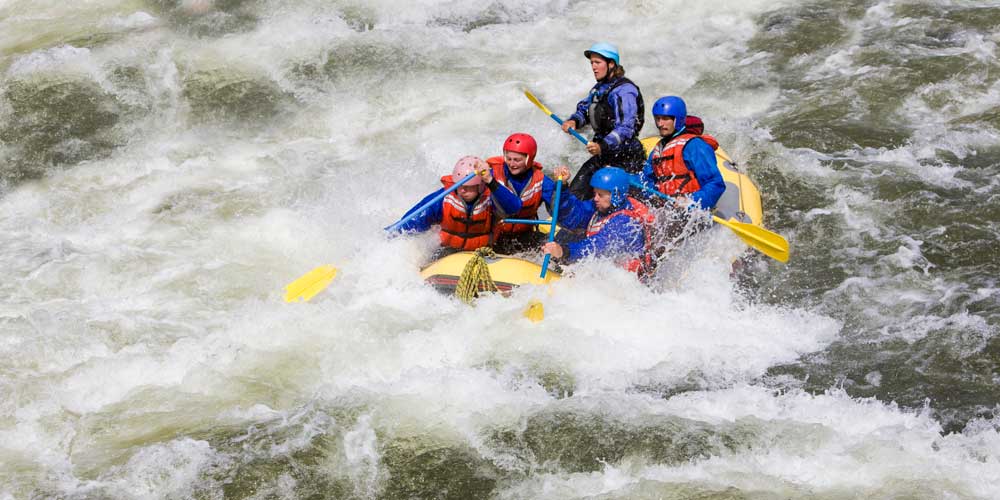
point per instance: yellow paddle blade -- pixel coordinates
(771, 244)
(531, 97)
(535, 311)
(310, 284)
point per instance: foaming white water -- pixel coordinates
(59, 58)
(826, 444)
(159, 470)
(145, 288)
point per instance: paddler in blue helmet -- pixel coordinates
(615, 111)
(616, 225)
(682, 164)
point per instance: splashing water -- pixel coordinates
(167, 166)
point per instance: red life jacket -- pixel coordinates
(531, 196)
(638, 212)
(460, 229)
(672, 175)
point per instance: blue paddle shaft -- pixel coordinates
(552, 228)
(545, 265)
(650, 190)
(572, 131)
(436, 199)
(533, 222)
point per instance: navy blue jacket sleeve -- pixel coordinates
(505, 199)
(430, 216)
(573, 213)
(580, 116)
(700, 158)
(549, 191)
(620, 235)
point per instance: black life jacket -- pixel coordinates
(602, 117)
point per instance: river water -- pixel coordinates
(167, 167)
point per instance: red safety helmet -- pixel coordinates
(522, 143)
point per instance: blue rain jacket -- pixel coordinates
(624, 102)
(622, 235)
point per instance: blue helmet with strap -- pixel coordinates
(674, 106)
(605, 50)
(612, 179)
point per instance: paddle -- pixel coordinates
(414, 213)
(313, 282)
(535, 311)
(534, 222)
(310, 284)
(552, 228)
(531, 97)
(771, 244)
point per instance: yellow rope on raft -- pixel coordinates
(476, 276)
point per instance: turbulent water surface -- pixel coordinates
(166, 167)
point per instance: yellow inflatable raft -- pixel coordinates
(741, 201)
(506, 271)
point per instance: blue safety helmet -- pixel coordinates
(612, 179)
(674, 106)
(605, 50)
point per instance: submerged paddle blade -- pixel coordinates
(771, 244)
(535, 311)
(310, 284)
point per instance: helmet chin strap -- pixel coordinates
(610, 73)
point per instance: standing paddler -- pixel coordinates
(614, 110)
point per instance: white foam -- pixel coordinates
(909, 256)
(826, 444)
(159, 270)
(160, 470)
(361, 451)
(57, 58)
(134, 20)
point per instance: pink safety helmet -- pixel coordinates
(467, 165)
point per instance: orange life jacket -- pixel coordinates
(672, 175)
(460, 229)
(531, 196)
(640, 213)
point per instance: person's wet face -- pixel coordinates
(469, 193)
(516, 162)
(600, 66)
(666, 125)
(602, 199)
